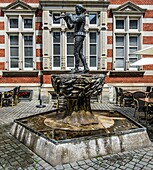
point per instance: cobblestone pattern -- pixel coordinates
(15, 156)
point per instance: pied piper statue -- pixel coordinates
(77, 22)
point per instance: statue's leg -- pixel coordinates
(82, 57)
(76, 52)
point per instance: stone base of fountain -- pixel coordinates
(58, 142)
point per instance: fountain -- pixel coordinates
(78, 132)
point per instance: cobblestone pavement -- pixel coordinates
(15, 156)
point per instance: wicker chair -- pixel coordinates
(139, 105)
(10, 98)
(125, 99)
(118, 95)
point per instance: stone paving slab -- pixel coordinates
(15, 156)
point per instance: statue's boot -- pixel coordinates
(86, 68)
(75, 70)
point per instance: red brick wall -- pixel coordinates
(38, 52)
(147, 39)
(38, 39)
(109, 53)
(2, 53)
(2, 39)
(109, 27)
(39, 66)
(1, 25)
(19, 79)
(109, 40)
(47, 79)
(38, 25)
(139, 2)
(144, 79)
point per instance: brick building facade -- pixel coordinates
(33, 46)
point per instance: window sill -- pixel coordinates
(68, 72)
(20, 73)
(126, 73)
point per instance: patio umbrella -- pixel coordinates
(145, 51)
(143, 61)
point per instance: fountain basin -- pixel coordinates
(54, 147)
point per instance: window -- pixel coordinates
(93, 49)
(56, 49)
(133, 46)
(28, 51)
(21, 44)
(13, 23)
(56, 21)
(28, 23)
(120, 24)
(92, 18)
(70, 49)
(126, 40)
(14, 51)
(133, 24)
(120, 51)
(62, 47)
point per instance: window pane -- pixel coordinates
(56, 37)
(119, 63)
(28, 51)
(28, 23)
(92, 37)
(93, 49)
(119, 41)
(119, 51)
(56, 21)
(133, 24)
(70, 61)
(28, 62)
(70, 37)
(14, 23)
(56, 62)
(28, 40)
(56, 49)
(133, 49)
(14, 51)
(93, 61)
(119, 24)
(133, 41)
(70, 49)
(92, 18)
(13, 40)
(14, 63)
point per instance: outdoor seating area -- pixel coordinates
(9, 96)
(141, 101)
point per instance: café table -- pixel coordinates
(149, 102)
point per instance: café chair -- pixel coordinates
(125, 99)
(150, 106)
(139, 105)
(148, 88)
(10, 98)
(118, 95)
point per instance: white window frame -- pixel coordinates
(56, 68)
(23, 23)
(54, 24)
(27, 68)
(20, 32)
(10, 52)
(126, 32)
(96, 43)
(93, 25)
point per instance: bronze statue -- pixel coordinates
(77, 22)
